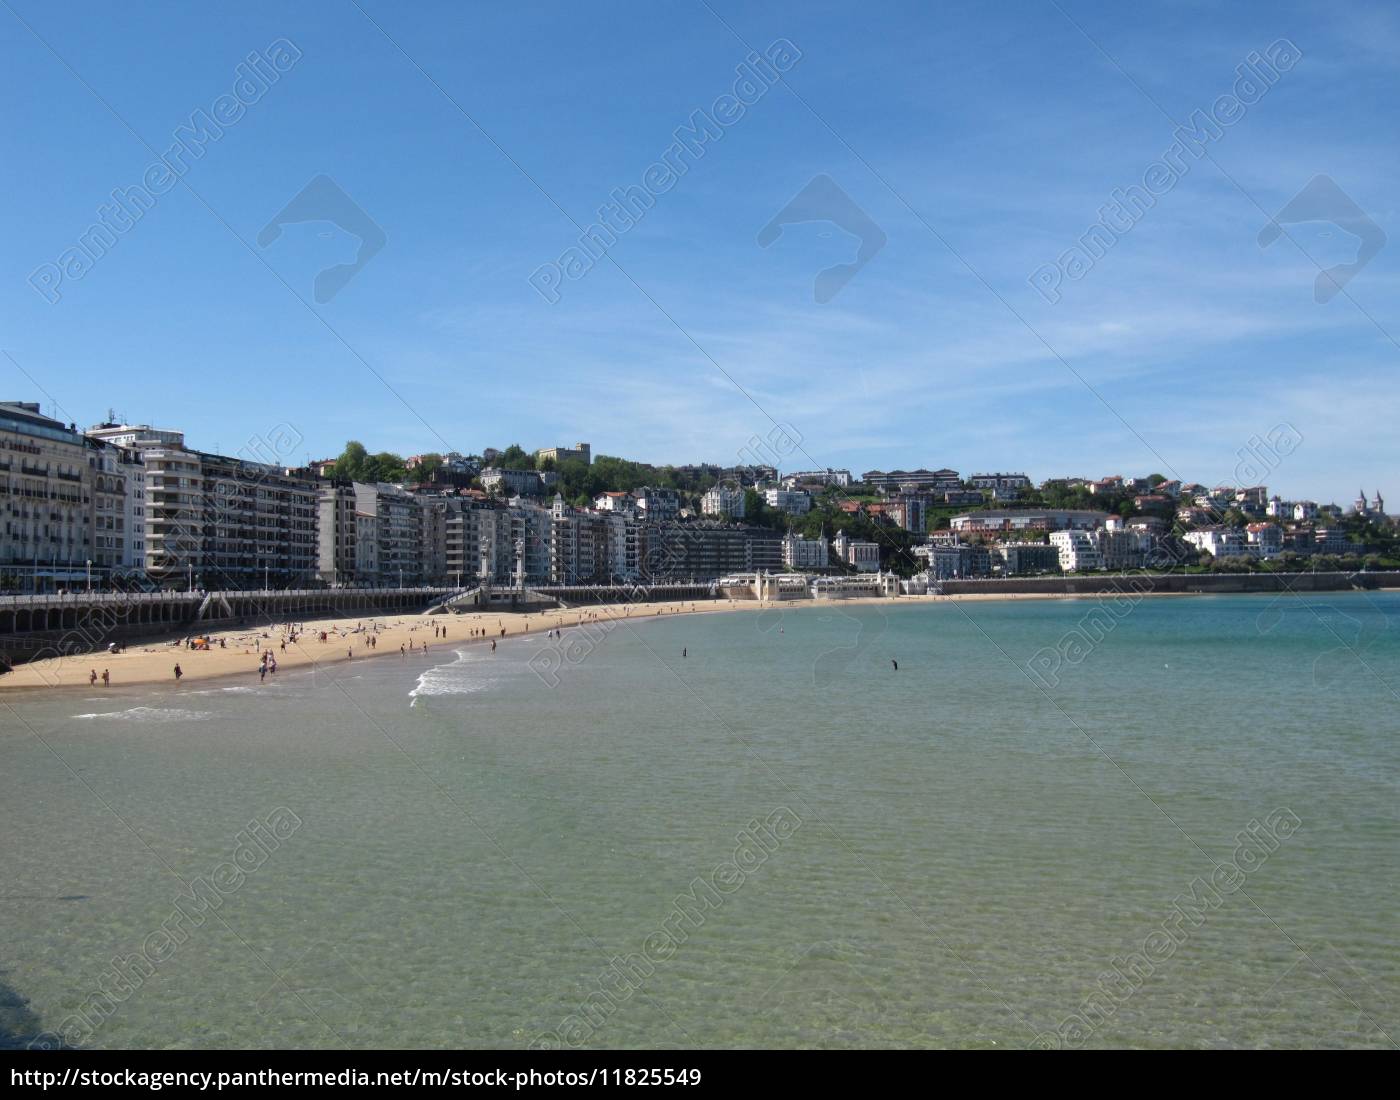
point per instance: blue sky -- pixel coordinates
(982, 140)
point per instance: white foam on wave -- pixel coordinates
(150, 714)
(466, 675)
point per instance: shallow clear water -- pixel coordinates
(962, 848)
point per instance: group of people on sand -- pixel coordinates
(289, 633)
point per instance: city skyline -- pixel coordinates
(1191, 333)
(1255, 456)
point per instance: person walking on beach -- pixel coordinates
(178, 673)
(262, 672)
(106, 677)
(92, 677)
(895, 663)
(493, 645)
(402, 651)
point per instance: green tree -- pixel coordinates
(428, 465)
(514, 457)
(355, 464)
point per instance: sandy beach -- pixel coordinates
(237, 651)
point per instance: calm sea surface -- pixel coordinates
(965, 852)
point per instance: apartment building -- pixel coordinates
(119, 509)
(1027, 519)
(1078, 550)
(398, 533)
(175, 516)
(46, 498)
(723, 500)
(470, 534)
(216, 521)
(513, 482)
(257, 525)
(934, 481)
(704, 550)
(999, 481)
(950, 560)
(1265, 540)
(794, 502)
(828, 476)
(1220, 542)
(805, 555)
(736, 475)
(1020, 558)
(910, 511)
(864, 557)
(337, 535)
(136, 436)
(432, 548)
(658, 505)
(1123, 549)
(591, 547)
(1334, 540)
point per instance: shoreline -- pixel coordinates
(152, 662)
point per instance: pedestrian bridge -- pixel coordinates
(538, 596)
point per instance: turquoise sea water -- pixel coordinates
(956, 853)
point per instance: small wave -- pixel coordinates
(150, 714)
(464, 676)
